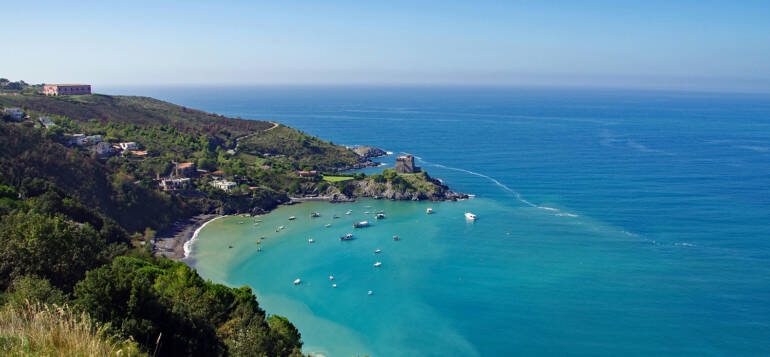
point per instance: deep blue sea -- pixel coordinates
(611, 222)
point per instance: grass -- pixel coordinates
(36, 329)
(336, 178)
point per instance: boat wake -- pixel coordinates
(518, 196)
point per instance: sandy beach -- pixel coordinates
(171, 243)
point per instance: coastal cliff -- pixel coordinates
(391, 186)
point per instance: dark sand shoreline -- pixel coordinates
(171, 243)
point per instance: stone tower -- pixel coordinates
(405, 164)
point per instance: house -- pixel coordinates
(173, 184)
(223, 185)
(307, 173)
(47, 122)
(15, 113)
(94, 139)
(265, 167)
(128, 146)
(185, 169)
(66, 89)
(101, 149)
(77, 139)
(405, 164)
(138, 152)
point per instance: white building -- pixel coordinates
(174, 184)
(15, 113)
(223, 185)
(101, 148)
(77, 139)
(128, 146)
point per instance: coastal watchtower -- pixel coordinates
(405, 164)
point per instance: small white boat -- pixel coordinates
(296, 282)
(310, 240)
(370, 292)
(349, 212)
(377, 264)
(470, 216)
(327, 225)
(361, 224)
(378, 251)
(334, 285)
(331, 277)
(379, 216)
(367, 212)
(259, 249)
(292, 218)
(348, 236)
(335, 216)
(429, 210)
(315, 214)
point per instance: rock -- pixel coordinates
(368, 152)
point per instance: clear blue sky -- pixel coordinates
(712, 45)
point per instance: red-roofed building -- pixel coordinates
(307, 173)
(66, 89)
(185, 169)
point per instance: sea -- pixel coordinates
(610, 223)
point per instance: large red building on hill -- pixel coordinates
(66, 89)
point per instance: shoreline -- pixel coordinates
(171, 244)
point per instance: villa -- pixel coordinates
(223, 185)
(66, 89)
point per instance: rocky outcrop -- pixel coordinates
(368, 152)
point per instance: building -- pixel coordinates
(128, 146)
(405, 164)
(66, 89)
(101, 149)
(47, 122)
(77, 139)
(223, 185)
(173, 184)
(307, 173)
(14, 113)
(184, 169)
(94, 139)
(140, 153)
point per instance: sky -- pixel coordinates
(697, 45)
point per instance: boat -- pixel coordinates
(230, 246)
(348, 236)
(395, 237)
(315, 214)
(296, 282)
(429, 210)
(378, 251)
(334, 285)
(310, 240)
(470, 216)
(361, 224)
(379, 216)
(259, 242)
(262, 237)
(259, 249)
(335, 216)
(327, 225)
(377, 264)
(280, 228)
(348, 212)
(367, 212)
(292, 218)
(331, 277)
(370, 292)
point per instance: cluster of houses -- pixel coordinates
(102, 149)
(15, 114)
(181, 178)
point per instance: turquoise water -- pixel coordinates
(611, 223)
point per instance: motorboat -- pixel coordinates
(334, 285)
(335, 216)
(348, 236)
(395, 237)
(259, 242)
(331, 277)
(470, 216)
(379, 216)
(378, 251)
(315, 214)
(361, 224)
(310, 240)
(429, 211)
(327, 225)
(296, 282)
(377, 264)
(292, 218)
(370, 292)
(348, 212)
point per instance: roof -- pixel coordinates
(68, 85)
(138, 152)
(184, 165)
(218, 172)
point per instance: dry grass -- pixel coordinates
(49, 330)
